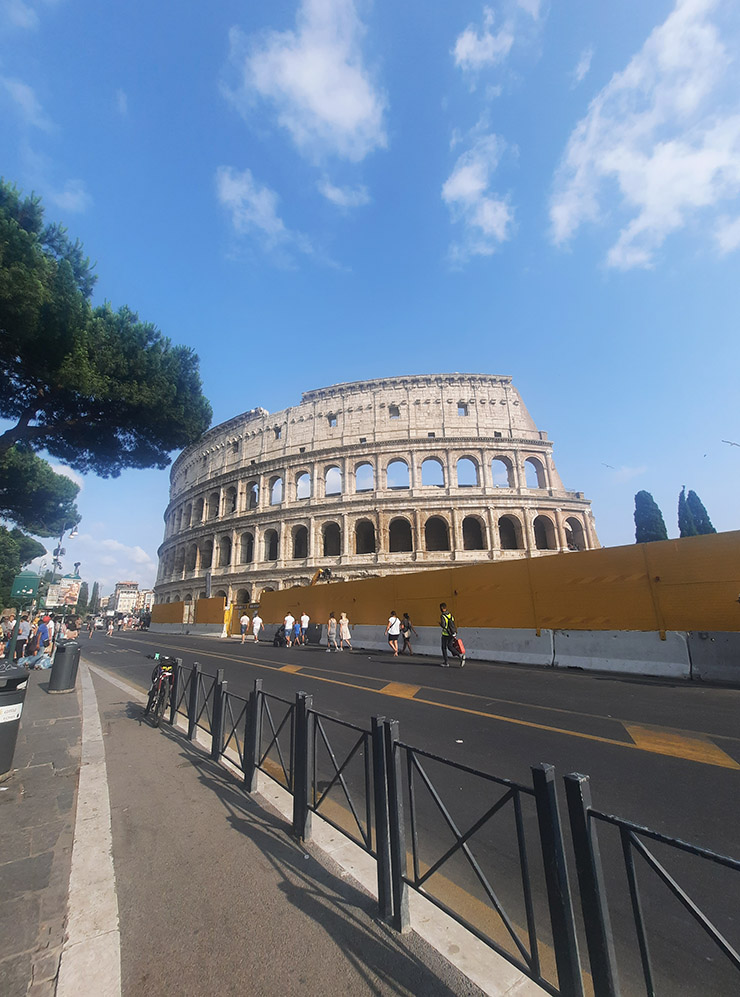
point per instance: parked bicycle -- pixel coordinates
(160, 690)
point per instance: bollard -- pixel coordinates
(13, 685)
(64, 670)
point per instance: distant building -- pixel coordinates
(104, 600)
(144, 600)
(124, 597)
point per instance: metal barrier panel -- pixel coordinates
(185, 677)
(206, 685)
(276, 742)
(234, 727)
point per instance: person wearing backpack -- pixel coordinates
(449, 635)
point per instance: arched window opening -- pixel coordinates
(510, 533)
(253, 495)
(271, 545)
(364, 537)
(303, 486)
(432, 473)
(436, 534)
(168, 599)
(221, 594)
(180, 561)
(473, 534)
(399, 536)
(229, 500)
(191, 557)
(300, 542)
(213, 502)
(364, 478)
(224, 552)
(462, 408)
(502, 472)
(178, 521)
(206, 554)
(332, 419)
(394, 412)
(535, 473)
(575, 536)
(467, 472)
(332, 537)
(243, 597)
(544, 533)
(333, 481)
(276, 491)
(397, 474)
(187, 516)
(198, 518)
(246, 548)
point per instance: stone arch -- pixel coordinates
(534, 473)
(253, 494)
(474, 533)
(436, 534)
(467, 472)
(206, 554)
(178, 520)
(333, 480)
(331, 536)
(224, 552)
(243, 597)
(271, 545)
(364, 477)
(575, 535)
(230, 499)
(191, 557)
(246, 548)
(544, 533)
(303, 486)
(400, 537)
(502, 472)
(179, 560)
(198, 510)
(300, 542)
(397, 474)
(364, 537)
(276, 490)
(432, 473)
(214, 500)
(187, 515)
(510, 533)
(220, 594)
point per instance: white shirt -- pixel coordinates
(244, 621)
(289, 621)
(305, 620)
(394, 626)
(256, 623)
(50, 626)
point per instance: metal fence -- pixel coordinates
(501, 870)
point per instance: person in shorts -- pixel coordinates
(289, 623)
(331, 633)
(393, 631)
(305, 620)
(407, 628)
(244, 626)
(256, 627)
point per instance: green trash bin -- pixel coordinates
(13, 685)
(64, 669)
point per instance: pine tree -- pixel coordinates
(686, 525)
(702, 522)
(649, 522)
(94, 599)
(82, 599)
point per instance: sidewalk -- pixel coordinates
(212, 894)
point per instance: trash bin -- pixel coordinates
(13, 685)
(64, 669)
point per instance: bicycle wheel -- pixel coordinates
(163, 700)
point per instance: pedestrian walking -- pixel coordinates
(393, 631)
(449, 635)
(289, 622)
(407, 628)
(244, 625)
(305, 620)
(331, 634)
(110, 627)
(256, 627)
(90, 628)
(24, 632)
(344, 634)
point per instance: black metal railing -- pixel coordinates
(492, 857)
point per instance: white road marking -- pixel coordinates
(91, 957)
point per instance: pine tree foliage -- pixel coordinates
(686, 525)
(82, 600)
(35, 497)
(701, 519)
(649, 522)
(94, 603)
(16, 551)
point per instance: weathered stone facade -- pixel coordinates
(368, 478)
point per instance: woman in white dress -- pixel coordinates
(344, 632)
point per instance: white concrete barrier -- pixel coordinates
(715, 657)
(626, 651)
(202, 629)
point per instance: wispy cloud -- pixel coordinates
(253, 209)
(344, 197)
(26, 103)
(727, 234)
(121, 100)
(73, 198)
(67, 472)
(665, 134)
(316, 80)
(19, 14)
(583, 66)
(479, 47)
(486, 217)
(625, 473)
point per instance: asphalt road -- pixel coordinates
(666, 755)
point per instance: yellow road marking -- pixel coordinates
(293, 669)
(400, 690)
(704, 757)
(668, 742)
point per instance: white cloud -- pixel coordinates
(134, 554)
(20, 14)
(69, 473)
(475, 49)
(583, 66)
(344, 197)
(253, 210)
(727, 234)
(532, 7)
(26, 102)
(316, 80)
(121, 102)
(625, 473)
(653, 135)
(72, 198)
(486, 217)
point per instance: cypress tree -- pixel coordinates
(686, 525)
(702, 522)
(649, 523)
(94, 598)
(82, 599)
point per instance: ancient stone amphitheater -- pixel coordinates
(367, 478)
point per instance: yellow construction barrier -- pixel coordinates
(210, 610)
(168, 612)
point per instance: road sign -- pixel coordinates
(25, 586)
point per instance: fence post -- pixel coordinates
(175, 692)
(252, 737)
(193, 700)
(570, 980)
(382, 835)
(599, 938)
(303, 753)
(397, 828)
(217, 724)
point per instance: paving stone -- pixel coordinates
(25, 875)
(14, 975)
(19, 918)
(46, 966)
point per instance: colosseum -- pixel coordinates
(366, 478)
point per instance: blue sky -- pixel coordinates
(330, 190)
